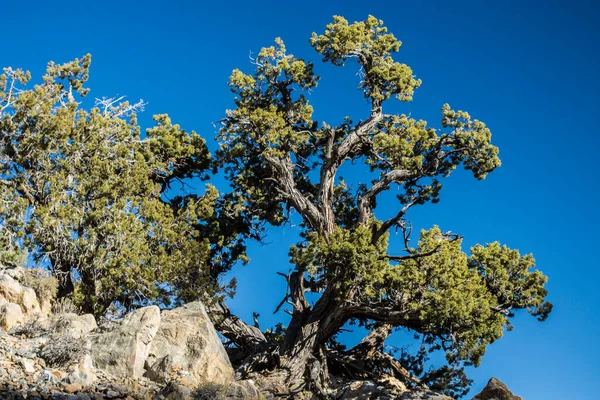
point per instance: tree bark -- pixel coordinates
(63, 274)
(249, 338)
(309, 345)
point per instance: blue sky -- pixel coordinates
(528, 69)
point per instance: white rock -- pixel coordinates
(10, 316)
(10, 289)
(122, 352)
(187, 341)
(28, 365)
(74, 325)
(29, 302)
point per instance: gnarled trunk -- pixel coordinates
(304, 358)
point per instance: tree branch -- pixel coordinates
(366, 200)
(249, 338)
(284, 174)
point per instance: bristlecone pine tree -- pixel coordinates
(83, 191)
(278, 158)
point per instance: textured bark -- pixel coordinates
(373, 341)
(248, 338)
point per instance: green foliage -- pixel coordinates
(369, 42)
(84, 190)
(279, 159)
(509, 277)
(347, 259)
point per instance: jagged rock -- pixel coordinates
(496, 390)
(122, 352)
(424, 394)
(188, 349)
(10, 316)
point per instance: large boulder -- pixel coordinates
(29, 301)
(122, 351)
(10, 316)
(496, 390)
(74, 325)
(187, 349)
(12, 291)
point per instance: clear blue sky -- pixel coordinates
(529, 69)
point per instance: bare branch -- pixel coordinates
(365, 201)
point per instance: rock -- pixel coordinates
(16, 273)
(243, 390)
(395, 386)
(424, 394)
(82, 372)
(174, 391)
(48, 377)
(112, 394)
(496, 390)
(29, 302)
(187, 341)
(364, 390)
(122, 352)
(74, 325)
(10, 316)
(72, 387)
(28, 365)
(45, 306)
(10, 289)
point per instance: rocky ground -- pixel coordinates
(48, 351)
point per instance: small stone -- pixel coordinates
(111, 394)
(28, 365)
(72, 388)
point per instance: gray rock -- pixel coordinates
(122, 352)
(187, 341)
(82, 372)
(496, 390)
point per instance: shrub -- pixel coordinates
(42, 282)
(65, 306)
(60, 350)
(209, 391)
